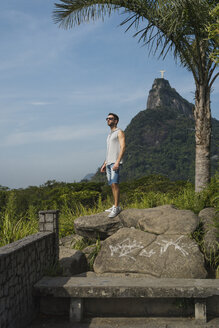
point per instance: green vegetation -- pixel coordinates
(54, 270)
(162, 141)
(213, 32)
(93, 254)
(181, 27)
(211, 254)
(13, 225)
(20, 207)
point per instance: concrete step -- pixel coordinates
(118, 296)
(63, 322)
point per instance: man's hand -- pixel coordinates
(115, 166)
(103, 168)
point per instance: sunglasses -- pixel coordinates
(109, 118)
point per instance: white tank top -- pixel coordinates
(113, 147)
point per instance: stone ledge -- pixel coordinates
(109, 287)
(26, 241)
(79, 288)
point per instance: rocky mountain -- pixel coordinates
(161, 138)
(163, 96)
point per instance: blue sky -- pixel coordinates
(57, 86)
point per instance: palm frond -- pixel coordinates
(164, 25)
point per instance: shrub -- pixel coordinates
(12, 230)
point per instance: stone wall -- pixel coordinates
(22, 264)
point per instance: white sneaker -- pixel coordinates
(110, 209)
(115, 211)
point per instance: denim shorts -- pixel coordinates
(112, 176)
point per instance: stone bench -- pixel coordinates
(79, 288)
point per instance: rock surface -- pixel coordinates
(163, 96)
(156, 256)
(72, 261)
(164, 219)
(210, 239)
(152, 242)
(97, 226)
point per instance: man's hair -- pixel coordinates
(116, 117)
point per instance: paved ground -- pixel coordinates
(62, 322)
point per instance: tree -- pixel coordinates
(213, 32)
(179, 26)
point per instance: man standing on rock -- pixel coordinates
(112, 164)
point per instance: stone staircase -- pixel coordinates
(129, 297)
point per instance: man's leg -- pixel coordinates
(116, 209)
(114, 182)
(116, 193)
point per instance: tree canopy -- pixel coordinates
(213, 32)
(184, 27)
(164, 25)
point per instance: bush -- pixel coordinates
(12, 230)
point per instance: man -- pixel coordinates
(114, 154)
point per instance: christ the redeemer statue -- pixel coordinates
(162, 74)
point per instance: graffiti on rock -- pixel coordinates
(130, 249)
(126, 248)
(176, 244)
(146, 253)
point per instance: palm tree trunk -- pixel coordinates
(202, 114)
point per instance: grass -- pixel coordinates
(13, 227)
(211, 253)
(83, 243)
(95, 248)
(68, 215)
(185, 199)
(53, 270)
(93, 254)
(12, 230)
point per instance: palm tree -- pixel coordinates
(179, 26)
(213, 32)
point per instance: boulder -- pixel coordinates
(97, 226)
(164, 219)
(132, 251)
(210, 238)
(72, 261)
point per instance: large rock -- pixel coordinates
(131, 251)
(164, 219)
(97, 226)
(163, 96)
(210, 238)
(72, 261)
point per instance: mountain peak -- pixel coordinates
(163, 96)
(161, 83)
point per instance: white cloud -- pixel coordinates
(40, 103)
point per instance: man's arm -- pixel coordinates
(121, 137)
(103, 167)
